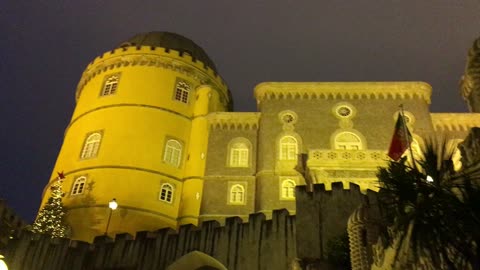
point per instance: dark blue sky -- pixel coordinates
(45, 46)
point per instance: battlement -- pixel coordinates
(154, 57)
(343, 90)
(455, 121)
(236, 245)
(259, 243)
(233, 120)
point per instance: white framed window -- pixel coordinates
(173, 153)
(79, 185)
(237, 194)
(182, 91)
(110, 85)
(348, 141)
(288, 148)
(239, 154)
(288, 189)
(166, 193)
(91, 145)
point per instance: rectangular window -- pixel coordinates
(182, 91)
(110, 85)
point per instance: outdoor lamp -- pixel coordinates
(3, 265)
(112, 205)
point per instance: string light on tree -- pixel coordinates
(51, 219)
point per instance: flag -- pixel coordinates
(400, 140)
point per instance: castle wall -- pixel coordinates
(258, 244)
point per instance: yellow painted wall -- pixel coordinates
(135, 123)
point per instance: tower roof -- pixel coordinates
(170, 41)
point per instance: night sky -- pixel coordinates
(45, 46)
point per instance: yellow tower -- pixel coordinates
(139, 134)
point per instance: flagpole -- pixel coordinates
(405, 130)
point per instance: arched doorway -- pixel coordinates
(196, 260)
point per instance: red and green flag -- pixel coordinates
(401, 139)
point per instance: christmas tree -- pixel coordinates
(51, 219)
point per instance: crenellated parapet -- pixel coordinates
(236, 245)
(455, 121)
(158, 57)
(343, 90)
(234, 120)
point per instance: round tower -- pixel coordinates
(470, 84)
(138, 134)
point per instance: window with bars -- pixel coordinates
(91, 145)
(182, 91)
(239, 155)
(79, 185)
(237, 194)
(110, 85)
(173, 153)
(348, 141)
(288, 189)
(166, 193)
(288, 148)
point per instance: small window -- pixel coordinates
(173, 153)
(91, 145)
(288, 148)
(347, 141)
(239, 155)
(79, 185)
(166, 193)
(110, 85)
(288, 189)
(237, 194)
(182, 91)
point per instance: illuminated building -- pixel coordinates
(153, 128)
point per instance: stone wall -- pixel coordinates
(277, 243)
(258, 244)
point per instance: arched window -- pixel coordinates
(78, 185)
(110, 85)
(237, 194)
(239, 153)
(348, 141)
(173, 153)
(91, 145)
(182, 91)
(288, 148)
(166, 193)
(288, 189)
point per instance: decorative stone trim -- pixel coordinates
(154, 57)
(346, 158)
(233, 120)
(342, 90)
(344, 110)
(455, 121)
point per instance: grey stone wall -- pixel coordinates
(258, 244)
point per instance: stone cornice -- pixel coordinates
(234, 120)
(455, 121)
(153, 57)
(342, 90)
